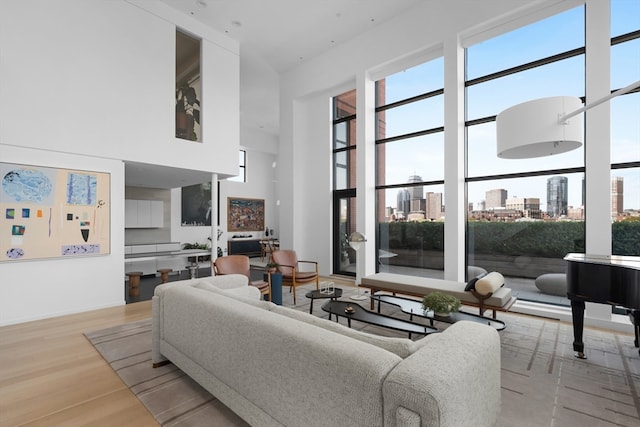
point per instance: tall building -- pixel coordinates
(434, 205)
(495, 199)
(529, 206)
(403, 203)
(416, 192)
(617, 199)
(557, 196)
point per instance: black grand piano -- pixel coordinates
(607, 279)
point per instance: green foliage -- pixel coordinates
(535, 238)
(416, 235)
(440, 302)
(626, 237)
(203, 246)
(540, 239)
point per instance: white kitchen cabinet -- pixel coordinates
(143, 213)
(157, 213)
(130, 213)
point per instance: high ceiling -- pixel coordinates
(274, 36)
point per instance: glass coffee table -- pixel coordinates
(339, 309)
(414, 308)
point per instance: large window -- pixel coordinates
(344, 182)
(410, 170)
(242, 168)
(524, 215)
(625, 130)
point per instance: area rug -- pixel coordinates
(543, 384)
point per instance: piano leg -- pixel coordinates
(634, 315)
(577, 313)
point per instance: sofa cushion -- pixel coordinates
(402, 347)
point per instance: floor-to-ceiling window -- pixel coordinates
(524, 216)
(625, 128)
(344, 182)
(410, 170)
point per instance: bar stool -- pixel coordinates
(193, 271)
(164, 274)
(134, 283)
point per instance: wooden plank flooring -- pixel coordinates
(51, 375)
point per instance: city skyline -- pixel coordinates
(424, 155)
(405, 199)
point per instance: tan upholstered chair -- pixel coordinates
(291, 274)
(239, 264)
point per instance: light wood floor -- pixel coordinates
(51, 375)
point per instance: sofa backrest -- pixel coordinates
(277, 362)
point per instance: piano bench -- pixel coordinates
(500, 300)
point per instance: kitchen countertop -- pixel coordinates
(149, 256)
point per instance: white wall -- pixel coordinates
(97, 78)
(87, 84)
(37, 289)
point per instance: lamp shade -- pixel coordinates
(356, 240)
(532, 129)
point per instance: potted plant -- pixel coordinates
(187, 112)
(272, 267)
(201, 246)
(442, 304)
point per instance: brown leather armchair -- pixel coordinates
(288, 265)
(239, 264)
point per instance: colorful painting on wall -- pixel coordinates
(52, 213)
(245, 214)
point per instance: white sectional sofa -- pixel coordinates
(275, 366)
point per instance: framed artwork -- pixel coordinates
(196, 205)
(245, 214)
(50, 212)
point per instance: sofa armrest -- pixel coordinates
(454, 379)
(156, 319)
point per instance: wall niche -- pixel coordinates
(188, 87)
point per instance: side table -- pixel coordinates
(276, 286)
(317, 294)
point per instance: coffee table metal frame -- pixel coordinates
(361, 314)
(414, 308)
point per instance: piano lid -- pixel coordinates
(622, 261)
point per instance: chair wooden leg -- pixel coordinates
(294, 293)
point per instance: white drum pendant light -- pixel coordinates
(532, 129)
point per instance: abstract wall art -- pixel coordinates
(196, 205)
(245, 214)
(53, 212)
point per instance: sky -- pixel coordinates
(424, 156)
